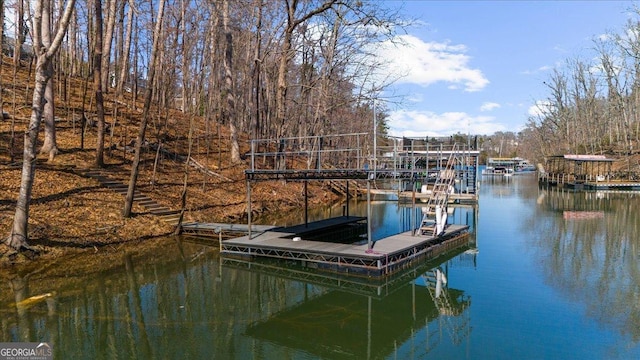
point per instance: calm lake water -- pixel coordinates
(547, 274)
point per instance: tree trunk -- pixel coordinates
(20, 33)
(1, 60)
(106, 44)
(119, 34)
(183, 31)
(19, 235)
(49, 146)
(97, 78)
(229, 106)
(183, 196)
(73, 46)
(257, 69)
(124, 66)
(18, 239)
(145, 111)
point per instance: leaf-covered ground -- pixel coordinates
(72, 213)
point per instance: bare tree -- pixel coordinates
(124, 61)
(73, 45)
(1, 58)
(18, 239)
(98, 84)
(292, 22)
(107, 43)
(229, 105)
(20, 33)
(145, 111)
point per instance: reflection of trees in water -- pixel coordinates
(182, 306)
(595, 260)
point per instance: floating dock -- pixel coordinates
(375, 287)
(611, 185)
(386, 257)
(344, 244)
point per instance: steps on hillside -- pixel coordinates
(166, 214)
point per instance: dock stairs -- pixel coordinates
(439, 198)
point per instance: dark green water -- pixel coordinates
(556, 275)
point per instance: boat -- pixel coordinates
(507, 166)
(525, 166)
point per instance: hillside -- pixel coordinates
(70, 212)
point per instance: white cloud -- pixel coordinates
(427, 63)
(488, 106)
(541, 69)
(426, 123)
(540, 108)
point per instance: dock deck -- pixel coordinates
(616, 185)
(386, 257)
(375, 287)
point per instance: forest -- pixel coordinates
(114, 83)
(256, 68)
(593, 105)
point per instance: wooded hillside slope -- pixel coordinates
(71, 211)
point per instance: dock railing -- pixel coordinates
(326, 152)
(396, 158)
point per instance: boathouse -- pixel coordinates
(584, 172)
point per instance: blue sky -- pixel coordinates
(478, 66)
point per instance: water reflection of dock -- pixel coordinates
(326, 325)
(417, 307)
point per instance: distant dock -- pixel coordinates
(585, 172)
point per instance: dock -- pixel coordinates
(611, 185)
(344, 244)
(377, 288)
(586, 172)
(387, 256)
